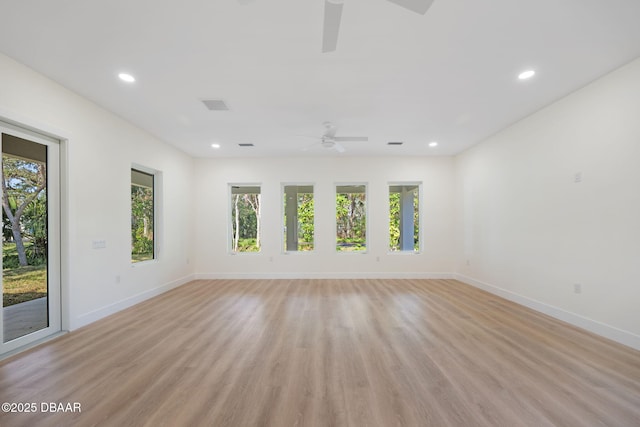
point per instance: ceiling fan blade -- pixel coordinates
(339, 148)
(306, 136)
(417, 6)
(331, 28)
(351, 138)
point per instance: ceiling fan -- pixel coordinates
(330, 141)
(333, 15)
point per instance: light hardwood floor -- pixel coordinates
(327, 353)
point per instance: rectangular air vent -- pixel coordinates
(215, 104)
(395, 143)
(246, 145)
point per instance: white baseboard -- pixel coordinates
(618, 335)
(321, 275)
(110, 309)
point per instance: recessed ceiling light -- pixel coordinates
(433, 144)
(215, 145)
(526, 74)
(127, 77)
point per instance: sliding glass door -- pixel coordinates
(30, 280)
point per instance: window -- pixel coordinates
(404, 217)
(351, 218)
(142, 216)
(245, 218)
(298, 218)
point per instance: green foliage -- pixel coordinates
(141, 223)
(245, 220)
(394, 221)
(142, 244)
(351, 221)
(351, 245)
(304, 205)
(7, 234)
(22, 178)
(34, 222)
(416, 221)
(248, 245)
(23, 284)
(10, 256)
(142, 257)
(306, 212)
(247, 217)
(26, 203)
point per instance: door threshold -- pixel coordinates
(32, 345)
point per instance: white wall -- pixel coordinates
(530, 232)
(100, 149)
(212, 216)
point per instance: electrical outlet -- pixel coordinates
(99, 244)
(468, 263)
(577, 288)
(118, 278)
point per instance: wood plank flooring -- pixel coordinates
(327, 353)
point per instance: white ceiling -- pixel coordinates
(448, 76)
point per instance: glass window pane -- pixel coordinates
(142, 216)
(404, 217)
(298, 218)
(351, 218)
(25, 238)
(245, 218)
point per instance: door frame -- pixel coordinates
(54, 219)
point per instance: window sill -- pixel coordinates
(143, 263)
(401, 253)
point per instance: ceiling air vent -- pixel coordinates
(246, 144)
(395, 143)
(215, 104)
